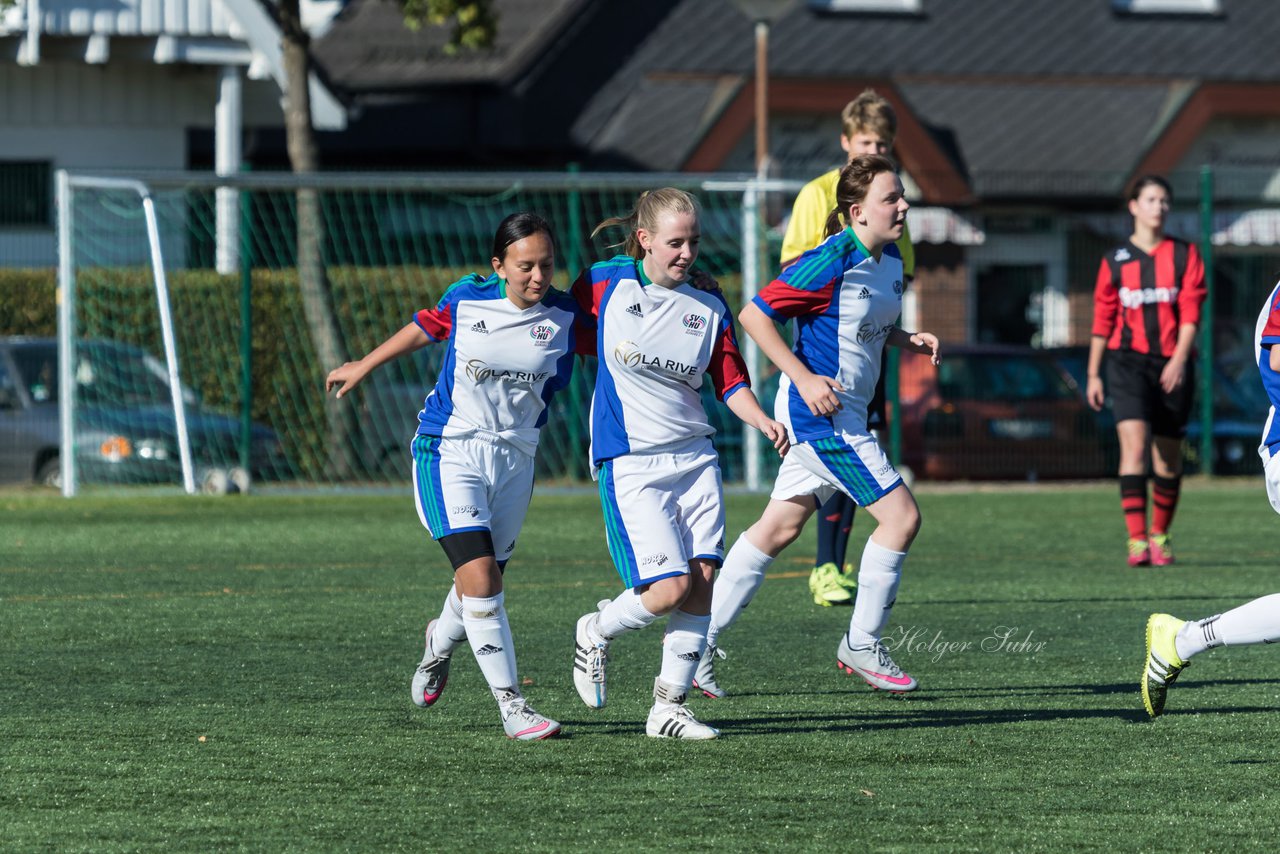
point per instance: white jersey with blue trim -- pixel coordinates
(845, 304)
(503, 363)
(655, 343)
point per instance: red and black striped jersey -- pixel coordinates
(1142, 298)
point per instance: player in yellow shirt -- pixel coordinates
(869, 126)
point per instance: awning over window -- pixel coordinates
(943, 225)
(1253, 227)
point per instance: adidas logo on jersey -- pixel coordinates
(865, 293)
(481, 328)
(635, 309)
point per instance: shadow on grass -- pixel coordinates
(1145, 599)
(927, 719)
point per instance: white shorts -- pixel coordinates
(662, 510)
(854, 465)
(472, 483)
(1271, 471)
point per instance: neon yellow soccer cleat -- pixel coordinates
(1163, 664)
(824, 584)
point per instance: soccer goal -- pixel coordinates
(103, 372)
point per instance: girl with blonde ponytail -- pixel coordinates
(659, 475)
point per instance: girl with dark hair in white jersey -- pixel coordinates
(511, 339)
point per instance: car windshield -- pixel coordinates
(106, 374)
(1000, 377)
(38, 367)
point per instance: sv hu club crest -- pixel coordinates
(695, 322)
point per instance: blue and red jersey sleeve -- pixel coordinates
(1271, 330)
(727, 368)
(806, 287)
(438, 322)
(587, 292)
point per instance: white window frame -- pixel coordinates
(897, 7)
(1168, 7)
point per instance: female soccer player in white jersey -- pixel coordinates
(845, 296)
(1172, 642)
(658, 472)
(511, 340)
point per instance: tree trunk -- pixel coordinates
(317, 295)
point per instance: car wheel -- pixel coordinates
(50, 473)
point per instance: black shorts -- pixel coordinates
(1133, 380)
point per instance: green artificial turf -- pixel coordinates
(197, 674)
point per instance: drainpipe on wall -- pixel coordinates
(228, 126)
(29, 54)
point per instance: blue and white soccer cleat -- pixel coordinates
(590, 659)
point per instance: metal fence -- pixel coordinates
(1013, 277)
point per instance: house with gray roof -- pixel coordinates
(1021, 122)
(120, 86)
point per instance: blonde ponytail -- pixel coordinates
(648, 209)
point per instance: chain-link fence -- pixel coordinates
(255, 330)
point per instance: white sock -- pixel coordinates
(490, 637)
(736, 585)
(877, 591)
(1253, 622)
(624, 614)
(683, 646)
(449, 630)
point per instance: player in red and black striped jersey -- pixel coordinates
(1146, 308)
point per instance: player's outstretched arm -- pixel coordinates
(351, 374)
(917, 342)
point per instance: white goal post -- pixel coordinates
(66, 187)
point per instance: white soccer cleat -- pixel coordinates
(676, 721)
(671, 718)
(590, 660)
(431, 676)
(522, 723)
(704, 678)
(874, 665)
